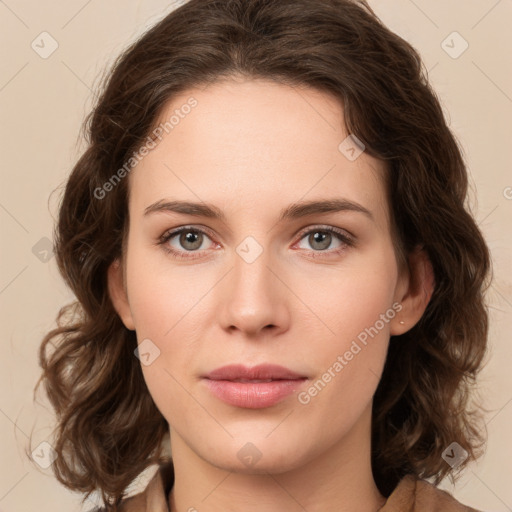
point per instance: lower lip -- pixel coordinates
(253, 395)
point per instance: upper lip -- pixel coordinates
(259, 372)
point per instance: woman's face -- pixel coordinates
(274, 278)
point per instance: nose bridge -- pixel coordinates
(252, 280)
(254, 296)
(251, 274)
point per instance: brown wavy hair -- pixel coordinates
(108, 427)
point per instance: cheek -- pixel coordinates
(168, 304)
(349, 366)
(164, 306)
(161, 293)
(350, 299)
(351, 341)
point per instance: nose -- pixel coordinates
(254, 298)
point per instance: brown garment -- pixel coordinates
(410, 495)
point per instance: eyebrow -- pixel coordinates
(293, 211)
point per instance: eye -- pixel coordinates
(321, 238)
(185, 240)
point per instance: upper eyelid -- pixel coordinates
(326, 227)
(176, 231)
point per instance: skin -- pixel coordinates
(252, 148)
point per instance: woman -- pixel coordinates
(276, 275)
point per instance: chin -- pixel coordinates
(259, 457)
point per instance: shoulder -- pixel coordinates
(416, 495)
(426, 492)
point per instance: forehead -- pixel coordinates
(251, 144)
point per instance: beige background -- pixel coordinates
(42, 104)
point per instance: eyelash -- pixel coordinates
(346, 240)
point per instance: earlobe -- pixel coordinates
(118, 295)
(418, 292)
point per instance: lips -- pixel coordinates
(253, 388)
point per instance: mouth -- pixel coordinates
(253, 388)
(261, 372)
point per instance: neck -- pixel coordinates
(338, 480)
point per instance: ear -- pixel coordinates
(118, 295)
(416, 286)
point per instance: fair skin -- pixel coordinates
(251, 148)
